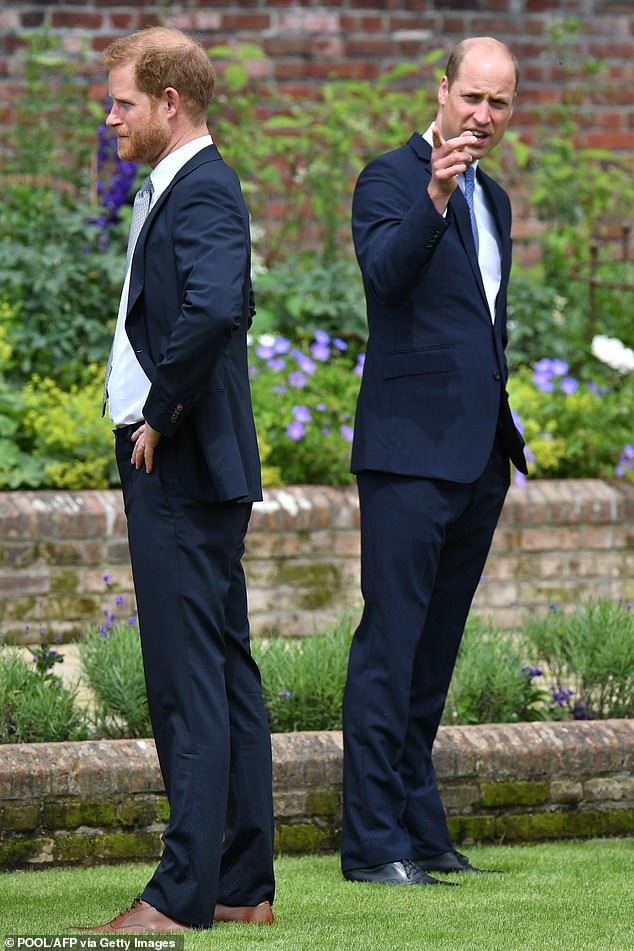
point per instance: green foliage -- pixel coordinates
(302, 294)
(304, 409)
(55, 437)
(34, 706)
(589, 655)
(112, 664)
(303, 680)
(578, 432)
(59, 275)
(310, 149)
(62, 285)
(492, 682)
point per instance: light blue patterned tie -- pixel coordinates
(140, 210)
(469, 184)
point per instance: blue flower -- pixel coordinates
(360, 364)
(346, 432)
(301, 414)
(320, 351)
(282, 345)
(297, 379)
(339, 343)
(304, 362)
(276, 363)
(119, 600)
(322, 337)
(284, 694)
(107, 579)
(295, 430)
(568, 385)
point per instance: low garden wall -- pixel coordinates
(556, 542)
(102, 801)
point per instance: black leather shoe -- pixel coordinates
(403, 872)
(452, 862)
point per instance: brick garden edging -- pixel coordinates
(557, 541)
(102, 801)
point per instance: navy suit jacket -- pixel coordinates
(433, 391)
(189, 307)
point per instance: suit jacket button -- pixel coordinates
(497, 375)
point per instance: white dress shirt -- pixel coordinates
(128, 385)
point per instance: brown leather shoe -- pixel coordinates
(140, 917)
(261, 914)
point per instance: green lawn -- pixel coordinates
(574, 896)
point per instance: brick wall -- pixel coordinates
(308, 40)
(556, 542)
(91, 802)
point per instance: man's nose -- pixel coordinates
(112, 118)
(483, 113)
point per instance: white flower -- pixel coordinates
(613, 351)
(266, 340)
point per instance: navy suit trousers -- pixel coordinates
(208, 717)
(424, 543)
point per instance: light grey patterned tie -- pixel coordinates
(469, 184)
(140, 211)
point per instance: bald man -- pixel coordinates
(433, 439)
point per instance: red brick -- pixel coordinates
(76, 20)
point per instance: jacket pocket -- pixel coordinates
(418, 362)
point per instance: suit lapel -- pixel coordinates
(208, 154)
(458, 211)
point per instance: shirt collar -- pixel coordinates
(169, 166)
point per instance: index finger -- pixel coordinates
(436, 137)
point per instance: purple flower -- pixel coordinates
(119, 600)
(278, 388)
(296, 378)
(532, 671)
(568, 385)
(284, 694)
(295, 430)
(321, 407)
(519, 479)
(107, 579)
(320, 351)
(265, 351)
(304, 362)
(282, 345)
(346, 432)
(339, 343)
(360, 364)
(131, 620)
(580, 710)
(276, 363)
(322, 337)
(301, 414)
(560, 695)
(626, 462)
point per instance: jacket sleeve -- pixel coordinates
(396, 229)
(211, 252)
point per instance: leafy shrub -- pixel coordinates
(303, 294)
(492, 681)
(303, 680)
(34, 705)
(54, 437)
(573, 428)
(304, 406)
(112, 664)
(589, 655)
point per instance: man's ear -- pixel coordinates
(172, 100)
(443, 91)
